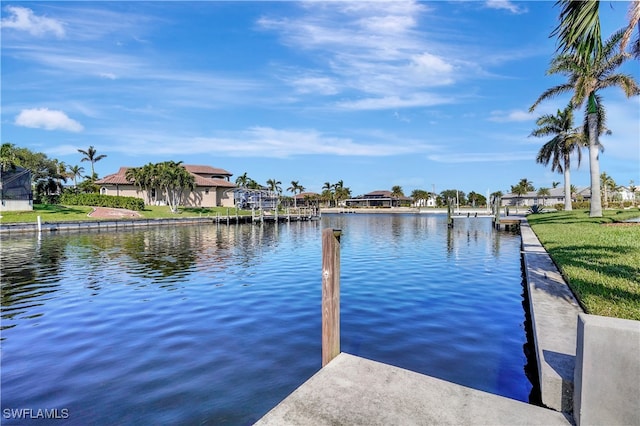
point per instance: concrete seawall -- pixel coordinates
(99, 225)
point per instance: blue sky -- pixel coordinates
(425, 95)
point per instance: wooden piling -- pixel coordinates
(330, 294)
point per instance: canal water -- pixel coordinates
(217, 324)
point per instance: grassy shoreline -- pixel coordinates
(58, 213)
(599, 258)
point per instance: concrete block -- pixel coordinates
(607, 371)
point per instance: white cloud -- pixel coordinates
(510, 116)
(483, 157)
(268, 142)
(44, 118)
(23, 19)
(391, 102)
(506, 5)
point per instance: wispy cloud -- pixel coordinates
(23, 19)
(483, 157)
(266, 142)
(511, 116)
(44, 118)
(506, 5)
(371, 52)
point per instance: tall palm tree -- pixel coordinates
(274, 185)
(295, 188)
(586, 75)
(327, 192)
(566, 140)
(90, 155)
(608, 184)
(75, 172)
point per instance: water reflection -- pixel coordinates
(216, 324)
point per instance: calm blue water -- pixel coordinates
(217, 324)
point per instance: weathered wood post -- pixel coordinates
(449, 213)
(330, 294)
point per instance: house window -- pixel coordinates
(153, 193)
(103, 190)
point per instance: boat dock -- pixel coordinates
(355, 391)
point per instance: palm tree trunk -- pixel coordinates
(567, 183)
(594, 166)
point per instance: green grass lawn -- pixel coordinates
(57, 213)
(601, 261)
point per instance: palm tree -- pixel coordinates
(62, 173)
(243, 180)
(75, 172)
(274, 185)
(608, 184)
(420, 197)
(174, 179)
(524, 186)
(555, 184)
(633, 188)
(634, 21)
(586, 75)
(327, 192)
(90, 155)
(295, 188)
(544, 193)
(341, 192)
(558, 150)
(397, 192)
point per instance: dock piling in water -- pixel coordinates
(330, 294)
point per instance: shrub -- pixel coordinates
(100, 200)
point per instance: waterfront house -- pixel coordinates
(377, 199)
(556, 196)
(213, 187)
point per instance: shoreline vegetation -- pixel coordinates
(599, 257)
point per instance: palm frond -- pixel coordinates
(579, 27)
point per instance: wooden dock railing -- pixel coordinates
(330, 294)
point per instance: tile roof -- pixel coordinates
(120, 179)
(208, 170)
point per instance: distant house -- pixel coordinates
(377, 199)
(429, 202)
(306, 198)
(213, 188)
(556, 196)
(255, 198)
(15, 189)
(624, 193)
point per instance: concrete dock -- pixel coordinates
(355, 391)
